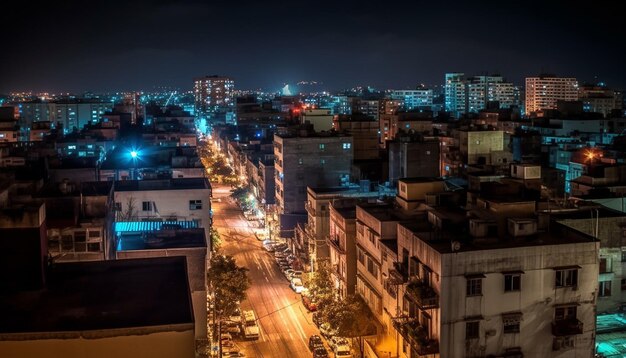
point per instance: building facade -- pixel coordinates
(544, 92)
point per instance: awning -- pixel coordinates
(571, 267)
(511, 318)
(475, 275)
(515, 272)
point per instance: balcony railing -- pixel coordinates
(567, 327)
(309, 208)
(335, 243)
(416, 336)
(398, 274)
(422, 294)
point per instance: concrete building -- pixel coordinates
(414, 99)
(364, 133)
(529, 292)
(455, 94)
(118, 308)
(145, 239)
(183, 199)
(321, 119)
(297, 156)
(412, 157)
(480, 146)
(214, 94)
(543, 92)
(482, 90)
(342, 245)
(391, 124)
(600, 99)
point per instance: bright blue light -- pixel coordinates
(134, 154)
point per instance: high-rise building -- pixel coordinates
(456, 98)
(299, 155)
(414, 99)
(214, 94)
(482, 90)
(544, 91)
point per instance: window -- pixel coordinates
(605, 289)
(372, 267)
(347, 145)
(567, 278)
(361, 257)
(512, 282)
(565, 313)
(322, 146)
(511, 327)
(605, 265)
(323, 161)
(472, 330)
(195, 204)
(146, 206)
(624, 284)
(300, 161)
(474, 286)
(118, 206)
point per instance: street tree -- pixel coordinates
(228, 284)
(321, 288)
(350, 317)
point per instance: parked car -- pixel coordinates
(236, 316)
(320, 352)
(315, 341)
(343, 351)
(250, 328)
(231, 327)
(296, 285)
(308, 303)
(288, 273)
(338, 341)
(295, 274)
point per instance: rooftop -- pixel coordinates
(161, 239)
(102, 295)
(162, 184)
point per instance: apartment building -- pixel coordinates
(530, 292)
(308, 159)
(544, 92)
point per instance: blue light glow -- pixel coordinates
(134, 154)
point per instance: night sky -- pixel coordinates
(113, 45)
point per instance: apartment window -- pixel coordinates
(567, 277)
(372, 267)
(512, 282)
(195, 204)
(474, 286)
(361, 257)
(347, 145)
(605, 265)
(322, 161)
(623, 284)
(300, 161)
(322, 146)
(118, 206)
(605, 289)
(146, 206)
(472, 330)
(565, 313)
(511, 322)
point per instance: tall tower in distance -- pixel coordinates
(214, 95)
(545, 91)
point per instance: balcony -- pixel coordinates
(309, 208)
(567, 327)
(416, 336)
(336, 244)
(422, 294)
(398, 274)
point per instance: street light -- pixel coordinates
(133, 154)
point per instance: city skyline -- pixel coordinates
(103, 47)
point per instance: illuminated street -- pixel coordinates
(284, 322)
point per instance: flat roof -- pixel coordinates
(162, 184)
(163, 239)
(100, 295)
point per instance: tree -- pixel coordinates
(349, 317)
(228, 284)
(216, 240)
(322, 290)
(130, 213)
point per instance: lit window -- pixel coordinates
(347, 145)
(322, 146)
(195, 204)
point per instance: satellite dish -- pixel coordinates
(456, 246)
